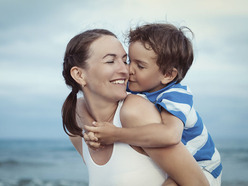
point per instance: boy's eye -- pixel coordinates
(140, 67)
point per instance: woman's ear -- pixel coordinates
(78, 75)
(169, 76)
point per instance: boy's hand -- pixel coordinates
(169, 182)
(104, 132)
(91, 141)
(90, 136)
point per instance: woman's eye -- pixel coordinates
(110, 62)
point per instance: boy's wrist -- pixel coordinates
(117, 134)
(120, 134)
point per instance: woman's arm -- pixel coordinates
(175, 160)
(82, 117)
(77, 143)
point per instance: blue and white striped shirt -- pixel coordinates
(178, 100)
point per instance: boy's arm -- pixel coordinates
(151, 135)
(169, 182)
(174, 160)
(154, 135)
(83, 116)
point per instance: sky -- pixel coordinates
(34, 34)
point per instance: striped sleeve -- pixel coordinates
(177, 101)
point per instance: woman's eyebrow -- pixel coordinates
(112, 55)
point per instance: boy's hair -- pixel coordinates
(173, 48)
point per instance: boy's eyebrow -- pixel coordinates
(139, 61)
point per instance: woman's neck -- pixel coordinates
(100, 110)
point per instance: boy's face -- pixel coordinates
(144, 73)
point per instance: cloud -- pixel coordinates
(34, 34)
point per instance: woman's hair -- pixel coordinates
(76, 54)
(173, 48)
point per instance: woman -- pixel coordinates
(95, 63)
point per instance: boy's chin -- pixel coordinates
(134, 88)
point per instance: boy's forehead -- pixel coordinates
(144, 47)
(147, 46)
(141, 44)
(142, 52)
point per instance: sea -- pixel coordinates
(57, 163)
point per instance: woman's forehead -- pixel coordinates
(107, 44)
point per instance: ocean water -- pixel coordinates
(56, 163)
(41, 163)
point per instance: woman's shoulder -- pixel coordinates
(137, 108)
(80, 105)
(133, 103)
(80, 109)
(136, 100)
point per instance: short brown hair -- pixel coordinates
(173, 48)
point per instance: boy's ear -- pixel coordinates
(169, 76)
(78, 75)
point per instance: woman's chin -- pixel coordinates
(122, 95)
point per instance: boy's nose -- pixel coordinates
(131, 70)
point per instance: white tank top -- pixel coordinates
(126, 167)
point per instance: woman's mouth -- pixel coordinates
(119, 81)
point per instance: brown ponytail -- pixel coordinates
(76, 54)
(69, 115)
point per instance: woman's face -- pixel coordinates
(107, 73)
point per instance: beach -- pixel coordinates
(56, 163)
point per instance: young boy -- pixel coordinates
(160, 56)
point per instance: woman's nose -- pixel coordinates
(123, 67)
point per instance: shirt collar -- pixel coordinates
(152, 96)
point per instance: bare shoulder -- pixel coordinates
(80, 103)
(80, 109)
(137, 111)
(136, 99)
